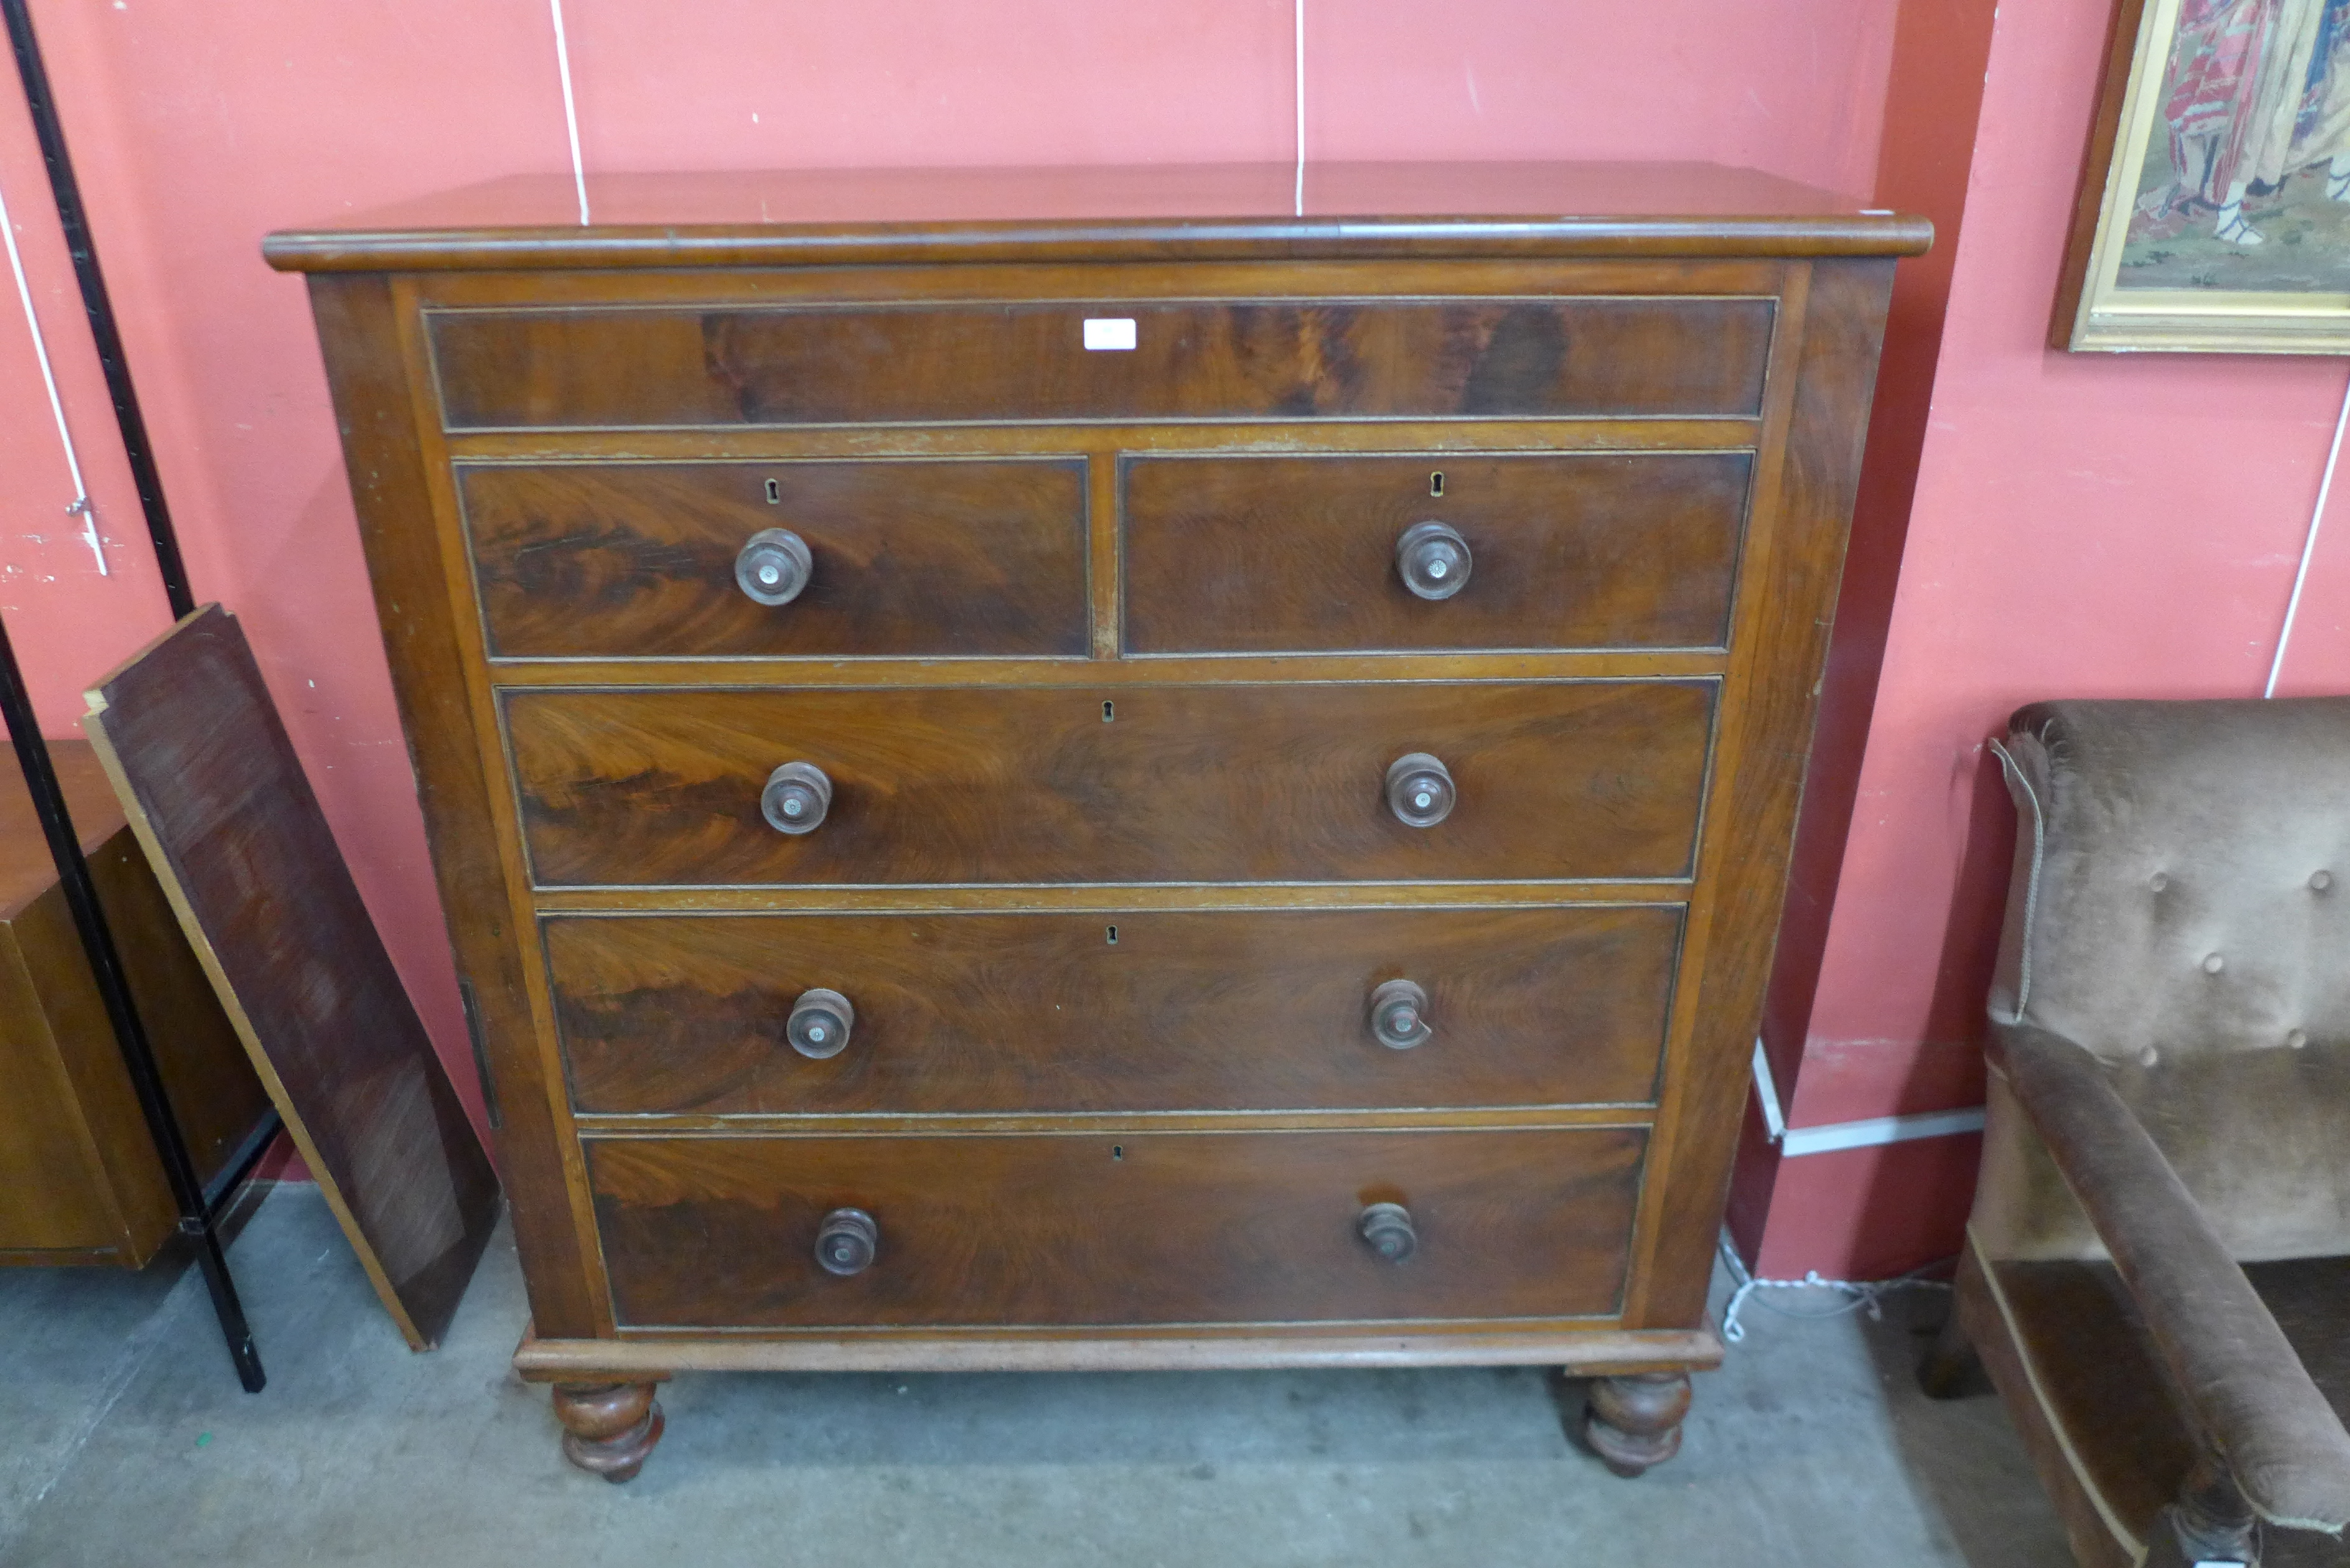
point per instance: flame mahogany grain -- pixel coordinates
(521, 369)
(1189, 783)
(637, 559)
(1263, 555)
(1139, 1228)
(1241, 1010)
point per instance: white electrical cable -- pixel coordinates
(1862, 1295)
(81, 506)
(2309, 547)
(570, 110)
(1298, 53)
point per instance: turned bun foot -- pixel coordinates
(1635, 1421)
(609, 1428)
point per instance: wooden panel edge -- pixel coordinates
(725, 246)
(66, 1257)
(1243, 1349)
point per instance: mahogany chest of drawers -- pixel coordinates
(1078, 770)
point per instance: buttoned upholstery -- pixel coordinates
(2159, 1253)
(2181, 908)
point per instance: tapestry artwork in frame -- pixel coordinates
(2214, 208)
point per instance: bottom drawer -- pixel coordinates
(1100, 1229)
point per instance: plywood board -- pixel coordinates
(203, 768)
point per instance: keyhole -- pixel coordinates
(1117, 1151)
(1110, 712)
(1113, 936)
(775, 491)
(1435, 482)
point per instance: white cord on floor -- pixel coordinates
(1865, 1294)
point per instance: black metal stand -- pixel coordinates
(197, 1215)
(200, 1209)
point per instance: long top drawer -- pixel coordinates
(851, 364)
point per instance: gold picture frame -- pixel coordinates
(2214, 208)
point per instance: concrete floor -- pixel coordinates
(128, 1442)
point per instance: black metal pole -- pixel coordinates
(199, 1211)
(106, 965)
(76, 220)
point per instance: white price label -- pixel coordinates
(1109, 332)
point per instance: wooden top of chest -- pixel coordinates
(27, 872)
(1209, 211)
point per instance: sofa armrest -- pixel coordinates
(2245, 1388)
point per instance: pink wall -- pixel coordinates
(198, 129)
(1941, 50)
(2083, 526)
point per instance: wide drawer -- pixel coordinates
(1113, 1229)
(1270, 555)
(1125, 1011)
(906, 557)
(1154, 784)
(731, 364)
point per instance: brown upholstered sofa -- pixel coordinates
(2158, 1267)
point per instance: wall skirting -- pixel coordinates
(1862, 1134)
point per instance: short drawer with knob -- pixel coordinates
(1107, 1229)
(1431, 552)
(905, 558)
(1116, 1010)
(899, 558)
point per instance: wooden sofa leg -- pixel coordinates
(609, 1428)
(1635, 1421)
(1952, 1369)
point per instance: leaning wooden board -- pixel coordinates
(225, 815)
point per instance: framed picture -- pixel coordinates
(2214, 210)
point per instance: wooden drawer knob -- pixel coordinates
(819, 1023)
(1388, 1228)
(1399, 1015)
(1420, 790)
(797, 797)
(844, 1241)
(772, 565)
(1432, 559)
